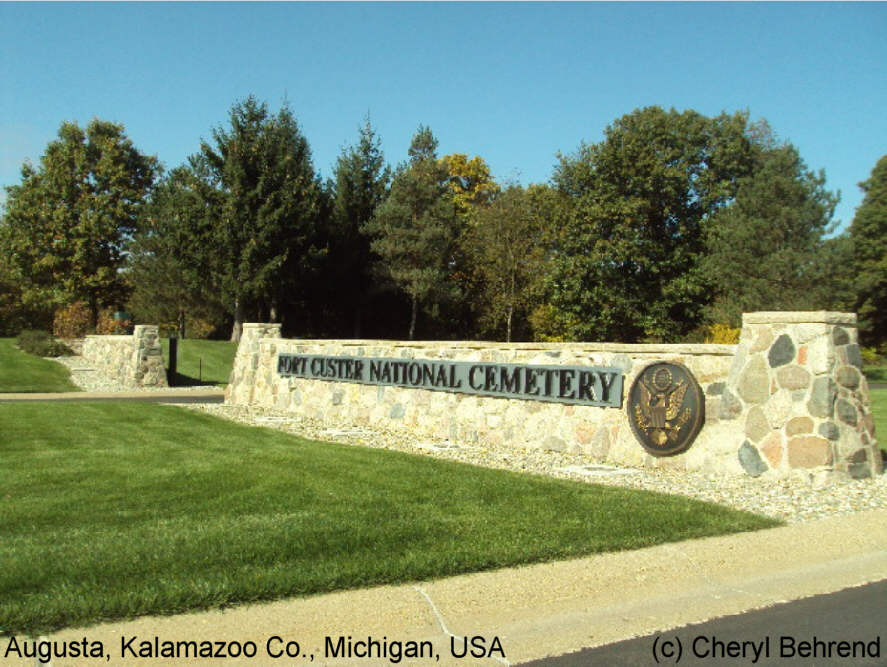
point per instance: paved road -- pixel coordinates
(770, 636)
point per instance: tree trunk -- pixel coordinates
(413, 318)
(93, 312)
(510, 309)
(181, 324)
(357, 321)
(237, 330)
(272, 312)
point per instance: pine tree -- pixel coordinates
(263, 200)
(868, 233)
(766, 249)
(170, 263)
(361, 185)
(414, 229)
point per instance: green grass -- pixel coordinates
(879, 412)
(21, 372)
(114, 510)
(202, 361)
(875, 373)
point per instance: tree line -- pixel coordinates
(673, 222)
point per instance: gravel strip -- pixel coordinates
(88, 379)
(793, 499)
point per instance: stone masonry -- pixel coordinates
(798, 398)
(134, 361)
(789, 397)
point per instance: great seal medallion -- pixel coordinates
(666, 408)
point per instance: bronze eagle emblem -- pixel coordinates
(659, 410)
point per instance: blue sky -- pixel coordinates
(512, 82)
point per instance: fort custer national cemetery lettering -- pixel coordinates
(560, 384)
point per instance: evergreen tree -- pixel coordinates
(263, 200)
(169, 266)
(868, 233)
(361, 184)
(414, 229)
(766, 250)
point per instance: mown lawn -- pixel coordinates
(879, 412)
(876, 373)
(21, 372)
(202, 361)
(113, 510)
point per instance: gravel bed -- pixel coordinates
(794, 499)
(88, 379)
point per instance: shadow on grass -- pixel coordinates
(180, 380)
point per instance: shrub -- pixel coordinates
(72, 321)
(199, 328)
(722, 334)
(549, 325)
(40, 343)
(108, 326)
(870, 357)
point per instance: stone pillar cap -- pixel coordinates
(799, 317)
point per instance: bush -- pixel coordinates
(870, 357)
(722, 334)
(40, 343)
(108, 326)
(549, 325)
(72, 321)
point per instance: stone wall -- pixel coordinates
(789, 396)
(797, 396)
(134, 361)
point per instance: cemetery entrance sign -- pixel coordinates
(790, 396)
(576, 385)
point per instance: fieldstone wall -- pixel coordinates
(134, 361)
(798, 398)
(601, 432)
(789, 397)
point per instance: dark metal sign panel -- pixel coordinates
(577, 385)
(666, 408)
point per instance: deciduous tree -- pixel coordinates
(471, 182)
(627, 266)
(68, 223)
(508, 244)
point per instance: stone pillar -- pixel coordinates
(148, 369)
(242, 382)
(798, 396)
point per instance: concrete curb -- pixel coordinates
(538, 610)
(212, 395)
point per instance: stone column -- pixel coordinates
(148, 369)
(798, 396)
(246, 362)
